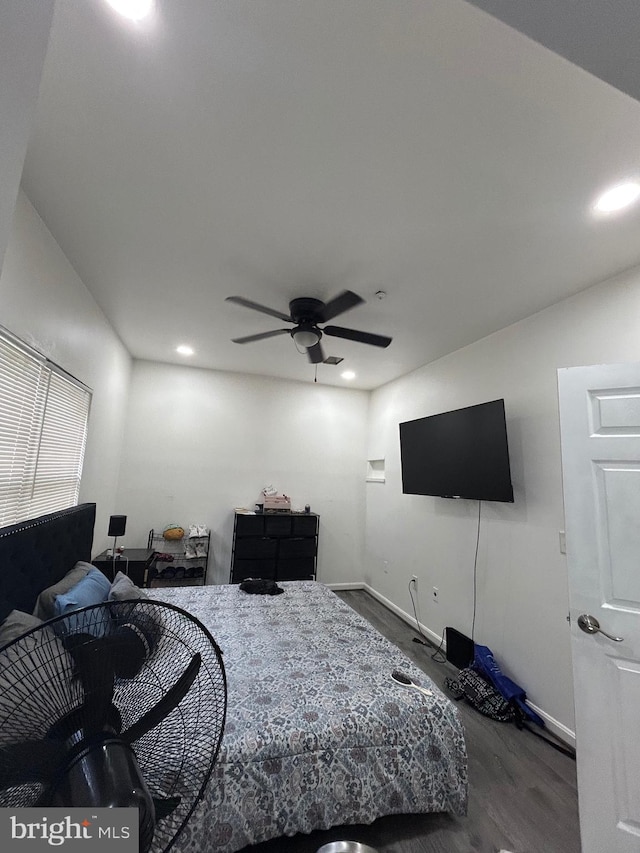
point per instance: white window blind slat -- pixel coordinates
(43, 425)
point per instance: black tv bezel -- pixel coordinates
(502, 495)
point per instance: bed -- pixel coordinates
(317, 732)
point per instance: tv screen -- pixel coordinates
(458, 454)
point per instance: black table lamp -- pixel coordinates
(117, 526)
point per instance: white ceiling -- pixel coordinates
(281, 148)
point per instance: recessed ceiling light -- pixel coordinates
(133, 9)
(184, 350)
(348, 374)
(618, 197)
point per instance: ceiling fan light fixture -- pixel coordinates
(306, 337)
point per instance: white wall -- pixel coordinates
(199, 442)
(24, 33)
(44, 302)
(522, 600)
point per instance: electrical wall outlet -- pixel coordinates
(435, 593)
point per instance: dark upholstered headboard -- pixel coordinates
(34, 554)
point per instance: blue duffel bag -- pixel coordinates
(485, 664)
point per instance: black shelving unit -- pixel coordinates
(177, 548)
(280, 546)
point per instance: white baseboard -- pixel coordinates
(406, 617)
(555, 726)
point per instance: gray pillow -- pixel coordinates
(46, 600)
(16, 624)
(123, 587)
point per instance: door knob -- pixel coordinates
(590, 625)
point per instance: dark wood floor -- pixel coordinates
(522, 792)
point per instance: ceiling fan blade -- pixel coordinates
(240, 300)
(355, 335)
(261, 336)
(339, 304)
(315, 354)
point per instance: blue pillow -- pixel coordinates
(92, 589)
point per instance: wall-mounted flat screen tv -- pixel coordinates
(458, 454)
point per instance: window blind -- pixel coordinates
(43, 427)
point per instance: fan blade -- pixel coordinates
(165, 706)
(164, 806)
(247, 303)
(315, 354)
(133, 642)
(355, 335)
(339, 304)
(95, 668)
(31, 761)
(261, 336)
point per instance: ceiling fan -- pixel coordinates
(306, 313)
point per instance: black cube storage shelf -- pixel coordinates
(274, 546)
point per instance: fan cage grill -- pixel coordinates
(39, 687)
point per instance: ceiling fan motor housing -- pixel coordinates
(306, 310)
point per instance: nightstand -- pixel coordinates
(132, 561)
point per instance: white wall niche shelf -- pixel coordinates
(375, 471)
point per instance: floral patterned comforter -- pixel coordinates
(317, 732)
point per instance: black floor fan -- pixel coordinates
(119, 704)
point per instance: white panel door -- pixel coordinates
(600, 435)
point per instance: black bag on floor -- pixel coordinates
(478, 685)
(482, 695)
